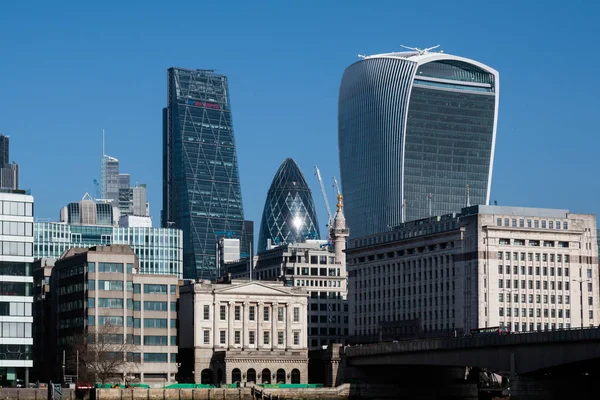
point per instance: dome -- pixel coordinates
(289, 215)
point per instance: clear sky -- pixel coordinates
(70, 69)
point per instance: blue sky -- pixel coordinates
(70, 69)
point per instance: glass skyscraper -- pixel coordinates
(415, 130)
(201, 184)
(289, 215)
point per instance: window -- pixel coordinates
(265, 314)
(155, 357)
(222, 337)
(296, 338)
(110, 285)
(155, 289)
(237, 313)
(280, 312)
(136, 288)
(296, 314)
(251, 313)
(280, 338)
(91, 266)
(173, 289)
(236, 337)
(251, 335)
(155, 322)
(206, 336)
(155, 340)
(110, 267)
(155, 306)
(266, 337)
(222, 313)
(206, 312)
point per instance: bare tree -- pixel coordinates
(105, 354)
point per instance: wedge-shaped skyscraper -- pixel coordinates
(289, 215)
(414, 129)
(201, 183)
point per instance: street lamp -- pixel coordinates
(581, 280)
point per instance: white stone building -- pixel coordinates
(243, 331)
(529, 269)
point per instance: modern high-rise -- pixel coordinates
(9, 173)
(16, 284)
(289, 215)
(416, 133)
(109, 179)
(89, 212)
(201, 184)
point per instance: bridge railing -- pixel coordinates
(470, 341)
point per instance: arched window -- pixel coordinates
(236, 375)
(280, 376)
(251, 375)
(266, 376)
(206, 378)
(295, 376)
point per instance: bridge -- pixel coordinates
(541, 365)
(523, 353)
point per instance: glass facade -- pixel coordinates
(414, 130)
(289, 215)
(201, 185)
(159, 249)
(109, 179)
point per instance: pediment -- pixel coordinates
(253, 288)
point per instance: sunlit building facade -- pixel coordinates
(201, 184)
(415, 129)
(289, 215)
(160, 250)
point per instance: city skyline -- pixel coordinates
(532, 119)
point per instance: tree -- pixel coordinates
(104, 354)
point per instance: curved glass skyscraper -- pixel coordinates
(289, 215)
(415, 128)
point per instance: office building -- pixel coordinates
(320, 269)
(289, 215)
(89, 212)
(528, 269)
(159, 250)
(97, 294)
(109, 179)
(201, 183)
(415, 128)
(243, 331)
(16, 285)
(9, 172)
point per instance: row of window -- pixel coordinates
(151, 357)
(135, 287)
(131, 304)
(252, 337)
(544, 257)
(535, 243)
(16, 330)
(16, 249)
(16, 289)
(554, 299)
(16, 228)
(251, 313)
(532, 223)
(529, 270)
(18, 208)
(552, 313)
(545, 285)
(15, 309)
(317, 283)
(522, 327)
(160, 323)
(11, 268)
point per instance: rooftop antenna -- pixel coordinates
(103, 153)
(420, 51)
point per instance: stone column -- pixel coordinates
(230, 339)
(244, 325)
(215, 324)
(273, 325)
(258, 331)
(289, 340)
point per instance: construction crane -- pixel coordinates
(330, 220)
(337, 187)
